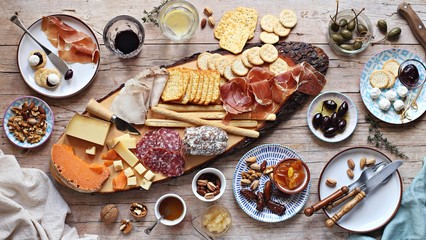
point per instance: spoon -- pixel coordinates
(149, 229)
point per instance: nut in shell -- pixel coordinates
(254, 185)
(245, 182)
(351, 164)
(211, 186)
(109, 213)
(138, 210)
(331, 182)
(251, 160)
(255, 166)
(126, 226)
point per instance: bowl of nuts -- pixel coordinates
(209, 184)
(28, 122)
(291, 175)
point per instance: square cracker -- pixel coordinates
(196, 79)
(251, 17)
(223, 23)
(174, 88)
(216, 89)
(235, 37)
(206, 82)
(199, 87)
(187, 94)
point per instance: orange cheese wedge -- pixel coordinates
(111, 155)
(119, 182)
(108, 163)
(75, 173)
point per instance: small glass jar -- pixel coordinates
(347, 48)
(216, 221)
(178, 20)
(124, 36)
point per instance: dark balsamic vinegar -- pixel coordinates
(126, 41)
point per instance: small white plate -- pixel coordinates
(83, 73)
(18, 103)
(351, 116)
(378, 208)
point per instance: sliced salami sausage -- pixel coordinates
(172, 164)
(148, 141)
(169, 139)
(153, 159)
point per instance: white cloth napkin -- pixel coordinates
(30, 206)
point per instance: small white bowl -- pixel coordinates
(165, 221)
(216, 172)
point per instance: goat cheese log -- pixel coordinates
(205, 140)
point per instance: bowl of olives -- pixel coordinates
(349, 32)
(332, 117)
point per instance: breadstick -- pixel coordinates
(176, 123)
(199, 122)
(221, 115)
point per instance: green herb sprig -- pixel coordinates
(151, 16)
(376, 137)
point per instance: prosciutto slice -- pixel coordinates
(236, 97)
(73, 45)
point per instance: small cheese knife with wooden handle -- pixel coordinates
(414, 21)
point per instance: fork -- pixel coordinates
(365, 175)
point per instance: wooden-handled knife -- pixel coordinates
(414, 21)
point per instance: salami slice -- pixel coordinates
(168, 139)
(153, 159)
(172, 164)
(147, 142)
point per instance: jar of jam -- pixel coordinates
(291, 175)
(411, 73)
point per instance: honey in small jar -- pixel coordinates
(171, 208)
(290, 174)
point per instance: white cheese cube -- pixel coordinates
(140, 169)
(146, 184)
(129, 172)
(132, 181)
(149, 175)
(118, 165)
(91, 151)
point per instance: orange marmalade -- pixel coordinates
(290, 174)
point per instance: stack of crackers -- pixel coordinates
(236, 28)
(385, 77)
(192, 86)
(274, 27)
(239, 66)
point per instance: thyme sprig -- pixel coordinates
(376, 137)
(151, 16)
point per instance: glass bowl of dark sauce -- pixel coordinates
(412, 73)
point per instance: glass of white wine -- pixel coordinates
(178, 20)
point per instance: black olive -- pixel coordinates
(330, 105)
(409, 74)
(343, 109)
(341, 125)
(68, 74)
(317, 120)
(326, 123)
(334, 120)
(330, 132)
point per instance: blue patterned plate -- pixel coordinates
(272, 153)
(18, 103)
(376, 63)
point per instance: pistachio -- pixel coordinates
(255, 166)
(254, 185)
(126, 226)
(351, 164)
(208, 11)
(350, 173)
(245, 182)
(203, 23)
(109, 213)
(251, 160)
(362, 162)
(331, 182)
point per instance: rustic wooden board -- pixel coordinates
(297, 52)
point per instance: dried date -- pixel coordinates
(260, 201)
(267, 190)
(249, 194)
(276, 207)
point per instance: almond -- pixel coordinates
(351, 164)
(211, 22)
(362, 162)
(203, 23)
(350, 173)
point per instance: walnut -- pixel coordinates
(109, 213)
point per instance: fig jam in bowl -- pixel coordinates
(172, 208)
(291, 175)
(412, 73)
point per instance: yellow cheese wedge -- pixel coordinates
(91, 150)
(140, 169)
(149, 175)
(126, 154)
(118, 165)
(132, 181)
(146, 184)
(89, 129)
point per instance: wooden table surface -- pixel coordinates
(343, 75)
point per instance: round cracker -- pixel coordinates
(270, 38)
(280, 30)
(238, 67)
(268, 21)
(254, 57)
(221, 64)
(392, 79)
(43, 59)
(41, 77)
(392, 66)
(279, 66)
(202, 60)
(268, 53)
(288, 18)
(211, 63)
(228, 74)
(38, 77)
(379, 79)
(244, 58)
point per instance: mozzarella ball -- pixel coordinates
(398, 105)
(391, 95)
(375, 93)
(384, 104)
(33, 60)
(53, 79)
(402, 91)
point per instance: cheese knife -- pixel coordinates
(104, 113)
(57, 61)
(370, 185)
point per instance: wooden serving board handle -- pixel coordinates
(98, 110)
(345, 209)
(310, 210)
(414, 21)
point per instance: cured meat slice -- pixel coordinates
(168, 139)
(236, 97)
(262, 91)
(153, 159)
(72, 45)
(257, 74)
(147, 142)
(311, 81)
(172, 164)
